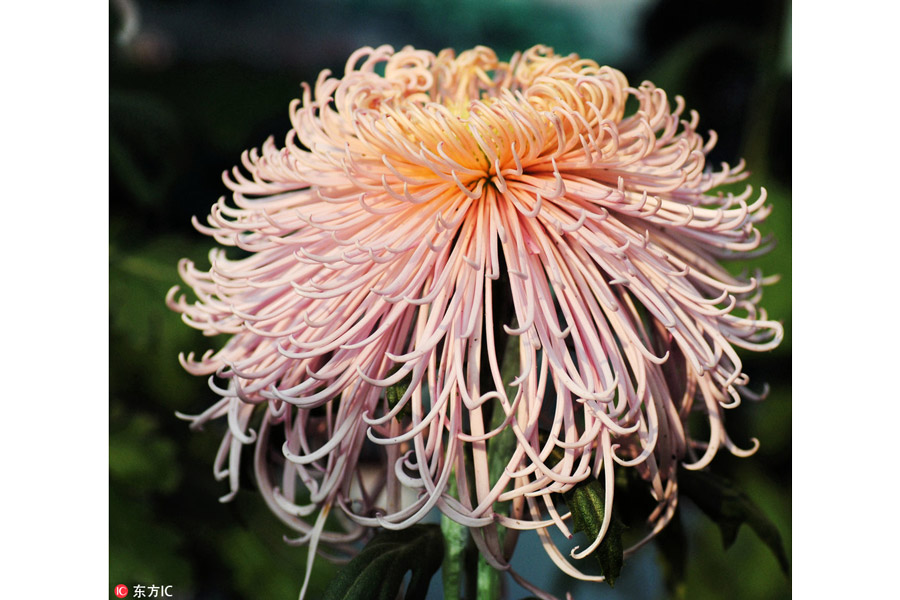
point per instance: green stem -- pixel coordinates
(456, 537)
(500, 448)
(488, 581)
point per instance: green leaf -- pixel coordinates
(729, 507)
(395, 393)
(585, 500)
(378, 571)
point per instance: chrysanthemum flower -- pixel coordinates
(422, 209)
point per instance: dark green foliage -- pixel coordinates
(585, 500)
(395, 393)
(378, 571)
(729, 507)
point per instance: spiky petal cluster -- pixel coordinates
(420, 202)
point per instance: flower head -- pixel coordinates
(449, 248)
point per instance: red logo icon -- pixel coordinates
(121, 591)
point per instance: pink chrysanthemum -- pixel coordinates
(411, 210)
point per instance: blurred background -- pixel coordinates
(194, 83)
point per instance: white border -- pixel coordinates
(53, 299)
